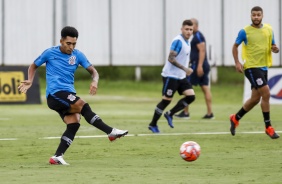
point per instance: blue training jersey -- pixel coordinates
(198, 38)
(60, 68)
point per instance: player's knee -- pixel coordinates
(189, 99)
(73, 127)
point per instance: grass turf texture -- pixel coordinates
(244, 158)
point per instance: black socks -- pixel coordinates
(67, 138)
(158, 111)
(94, 119)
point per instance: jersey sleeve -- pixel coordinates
(199, 38)
(273, 40)
(176, 46)
(242, 37)
(83, 61)
(42, 58)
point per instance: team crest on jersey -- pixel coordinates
(259, 81)
(72, 60)
(169, 92)
(71, 97)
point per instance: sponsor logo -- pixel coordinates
(72, 60)
(169, 92)
(71, 97)
(275, 86)
(9, 82)
(259, 81)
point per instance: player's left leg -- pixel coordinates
(208, 99)
(95, 120)
(265, 107)
(181, 104)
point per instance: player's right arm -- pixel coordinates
(174, 50)
(26, 84)
(172, 59)
(241, 37)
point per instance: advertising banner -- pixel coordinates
(10, 79)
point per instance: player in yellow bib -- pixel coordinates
(258, 43)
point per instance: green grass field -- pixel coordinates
(140, 157)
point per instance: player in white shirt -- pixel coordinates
(174, 77)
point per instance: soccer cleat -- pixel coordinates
(116, 133)
(169, 119)
(271, 133)
(183, 115)
(54, 160)
(154, 129)
(234, 123)
(211, 116)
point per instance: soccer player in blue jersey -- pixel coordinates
(61, 63)
(258, 43)
(174, 75)
(200, 65)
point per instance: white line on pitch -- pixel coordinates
(8, 139)
(163, 134)
(4, 119)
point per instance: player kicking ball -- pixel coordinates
(61, 63)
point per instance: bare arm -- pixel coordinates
(202, 54)
(95, 79)
(238, 65)
(26, 84)
(274, 48)
(172, 60)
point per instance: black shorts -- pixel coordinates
(257, 77)
(195, 79)
(171, 85)
(61, 101)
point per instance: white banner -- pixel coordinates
(274, 83)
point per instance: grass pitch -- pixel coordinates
(29, 136)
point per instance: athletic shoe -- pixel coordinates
(211, 116)
(183, 115)
(116, 133)
(154, 129)
(234, 123)
(169, 119)
(271, 133)
(54, 160)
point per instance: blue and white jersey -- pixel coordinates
(60, 68)
(183, 48)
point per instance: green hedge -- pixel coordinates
(148, 73)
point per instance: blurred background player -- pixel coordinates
(200, 65)
(174, 75)
(257, 57)
(61, 64)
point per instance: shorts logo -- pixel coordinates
(169, 92)
(71, 97)
(72, 60)
(259, 81)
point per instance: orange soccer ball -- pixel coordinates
(190, 151)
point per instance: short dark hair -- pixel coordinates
(257, 8)
(69, 31)
(187, 23)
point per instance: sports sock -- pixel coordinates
(240, 114)
(158, 111)
(94, 119)
(67, 138)
(181, 104)
(266, 117)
